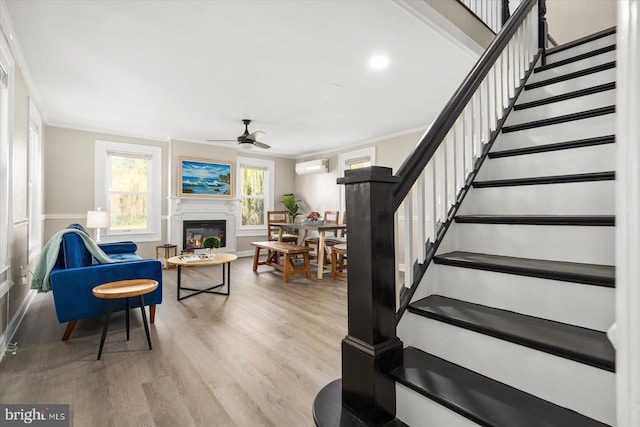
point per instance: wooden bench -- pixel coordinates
(288, 251)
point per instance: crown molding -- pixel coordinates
(12, 38)
(441, 25)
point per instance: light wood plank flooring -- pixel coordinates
(256, 358)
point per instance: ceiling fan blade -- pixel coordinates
(261, 145)
(254, 135)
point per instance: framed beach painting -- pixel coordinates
(204, 178)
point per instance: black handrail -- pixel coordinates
(420, 156)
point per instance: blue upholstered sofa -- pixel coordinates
(76, 273)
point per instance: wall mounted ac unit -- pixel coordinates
(313, 166)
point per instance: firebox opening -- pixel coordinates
(194, 233)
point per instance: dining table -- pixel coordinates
(303, 232)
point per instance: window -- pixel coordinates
(6, 117)
(254, 179)
(355, 160)
(35, 181)
(128, 185)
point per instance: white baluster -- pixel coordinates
(408, 240)
(451, 168)
(461, 167)
(505, 78)
(464, 136)
(441, 180)
(432, 199)
(421, 188)
(476, 126)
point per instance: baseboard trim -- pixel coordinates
(14, 323)
(242, 254)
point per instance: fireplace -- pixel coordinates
(194, 232)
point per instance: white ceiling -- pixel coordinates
(191, 70)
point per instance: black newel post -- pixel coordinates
(371, 348)
(505, 12)
(543, 29)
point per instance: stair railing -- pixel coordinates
(426, 191)
(436, 176)
(493, 13)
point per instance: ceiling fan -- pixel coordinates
(246, 140)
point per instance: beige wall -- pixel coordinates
(69, 179)
(284, 173)
(572, 19)
(18, 245)
(320, 192)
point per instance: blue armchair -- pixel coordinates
(76, 273)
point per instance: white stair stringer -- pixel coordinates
(582, 48)
(582, 388)
(577, 198)
(562, 132)
(568, 243)
(595, 158)
(561, 108)
(576, 304)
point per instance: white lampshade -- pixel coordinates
(97, 219)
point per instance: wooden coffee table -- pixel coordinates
(223, 259)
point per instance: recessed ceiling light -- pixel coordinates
(378, 61)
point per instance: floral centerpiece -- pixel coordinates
(313, 218)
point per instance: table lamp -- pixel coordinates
(97, 219)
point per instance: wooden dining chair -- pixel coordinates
(330, 217)
(338, 260)
(279, 217)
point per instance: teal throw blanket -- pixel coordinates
(49, 256)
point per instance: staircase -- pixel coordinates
(507, 326)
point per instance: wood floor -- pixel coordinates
(255, 358)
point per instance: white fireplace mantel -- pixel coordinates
(199, 209)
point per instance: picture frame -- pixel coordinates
(205, 178)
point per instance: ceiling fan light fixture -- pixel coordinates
(246, 145)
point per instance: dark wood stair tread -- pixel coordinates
(566, 145)
(582, 40)
(544, 180)
(590, 54)
(572, 342)
(570, 76)
(581, 115)
(566, 96)
(590, 274)
(479, 398)
(574, 220)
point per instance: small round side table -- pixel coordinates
(168, 249)
(124, 289)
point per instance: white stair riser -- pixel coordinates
(591, 245)
(579, 198)
(562, 132)
(596, 158)
(572, 67)
(566, 86)
(577, 304)
(582, 388)
(560, 108)
(416, 410)
(583, 48)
